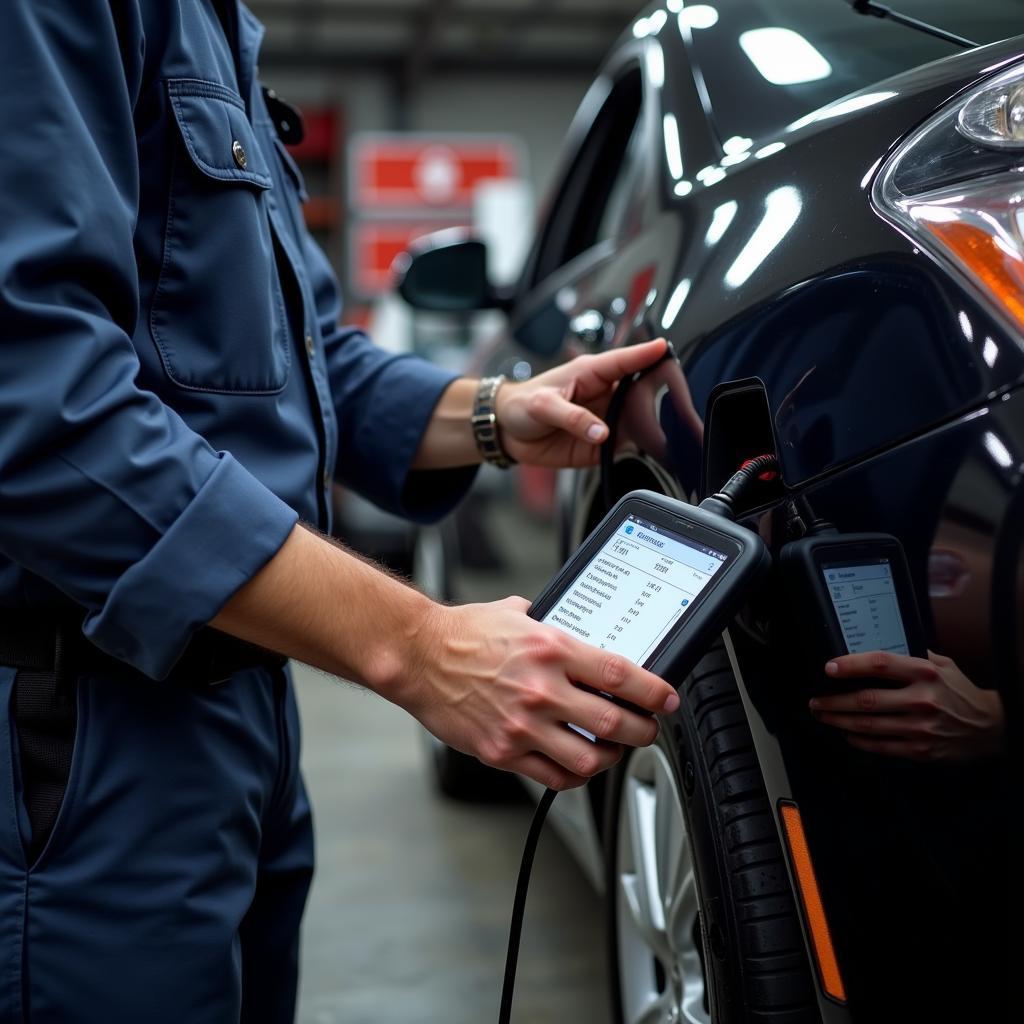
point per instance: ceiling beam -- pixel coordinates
(423, 44)
(320, 59)
(363, 13)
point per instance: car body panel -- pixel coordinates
(892, 393)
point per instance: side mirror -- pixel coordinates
(446, 272)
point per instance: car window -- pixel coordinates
(767, 63)
(594, 197)
(623, 189)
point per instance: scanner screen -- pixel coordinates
(867, 606)
(642, 582)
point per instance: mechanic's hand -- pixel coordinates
(498, 685)
(938, 714)
(556, 418)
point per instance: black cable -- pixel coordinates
(519, 907)
(882, 11)
(723, 502)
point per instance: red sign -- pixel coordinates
(376, 244)
(319, 140)
(410, 171)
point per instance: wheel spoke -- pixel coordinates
(682, 910)
(640, 887)
(671, 846)
(693, 995)
(660, 970)
(656, 1011)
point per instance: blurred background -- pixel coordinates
(415, 109)
(422, 115)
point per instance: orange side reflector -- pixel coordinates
(814, 909)
(997, 267)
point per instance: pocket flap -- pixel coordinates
(216, 132)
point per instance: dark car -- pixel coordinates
(822, 209)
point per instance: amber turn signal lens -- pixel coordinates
(810, 897)
(996, 266)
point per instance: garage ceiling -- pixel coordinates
(416, 38)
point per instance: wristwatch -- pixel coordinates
(485, 423)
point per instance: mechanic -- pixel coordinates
(177, 396)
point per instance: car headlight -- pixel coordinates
(956, 186)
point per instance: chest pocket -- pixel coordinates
(218, 316)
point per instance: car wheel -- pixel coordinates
(703, 925)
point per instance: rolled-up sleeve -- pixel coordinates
(383, 403)
(104, 491)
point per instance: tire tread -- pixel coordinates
(773, 972)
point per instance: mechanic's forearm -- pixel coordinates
(317, 602)
(448, 441)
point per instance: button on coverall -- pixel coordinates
(163, 424)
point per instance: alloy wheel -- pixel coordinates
(658, 942)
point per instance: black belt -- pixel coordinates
(38, 641)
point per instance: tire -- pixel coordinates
(690, 834)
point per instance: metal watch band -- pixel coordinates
(485, 423)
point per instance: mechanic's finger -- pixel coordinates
(608, 721)
(899, 667)
(912, 750)
(871, 725)
(611, 673)
(543, 770)
(614, 365)
(577, 755)
(553, 409)
(909, 698)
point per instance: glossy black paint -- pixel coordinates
(891, 396)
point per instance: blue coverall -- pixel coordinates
(175, 392)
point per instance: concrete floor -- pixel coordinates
(408, 917)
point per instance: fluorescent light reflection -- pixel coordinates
(696, 16)
(679, 296)
(965, 325)
(850, 106)
(784, 57)
(871, 173)
(769, 150)
(675, 303)
(710, 175)
(736, 144)
(733, 159)
(999, 452)
(990, 352)
(673, 147)
(782, 208)
(683, 188)
(655, 58)
(720, 221)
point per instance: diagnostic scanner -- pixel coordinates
(655, 582)
(848, 593)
